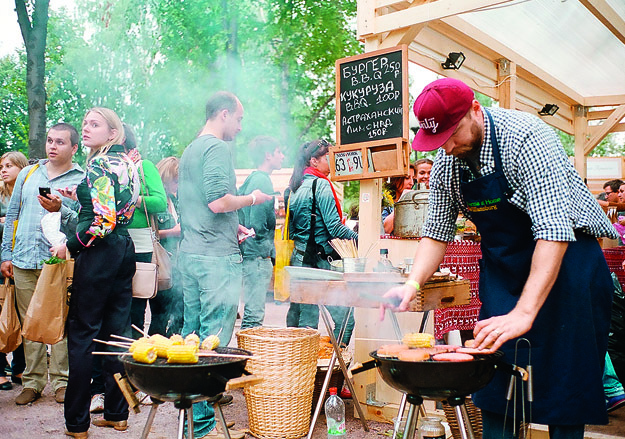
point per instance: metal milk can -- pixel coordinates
(411, 211)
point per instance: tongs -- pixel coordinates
(525, 376)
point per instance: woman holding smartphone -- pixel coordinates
(103, 271)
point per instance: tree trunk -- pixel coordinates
(34, 31)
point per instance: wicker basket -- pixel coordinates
(475, 418)
(279, 407)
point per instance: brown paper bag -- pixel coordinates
(10, 330)
(47, 313)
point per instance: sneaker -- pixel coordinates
(615, 402)
(59, 395)
(97, 403)
(117, 425)
(225, 399)
(27, 396)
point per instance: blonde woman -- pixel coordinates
(11, 163)
(103, 271)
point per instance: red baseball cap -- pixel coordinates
(439, 108)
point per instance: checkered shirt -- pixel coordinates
(544, 183)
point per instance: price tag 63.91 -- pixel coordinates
(348, 163)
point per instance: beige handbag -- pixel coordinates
(160, 256)
(144, 282)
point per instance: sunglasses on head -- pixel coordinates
(317, 145)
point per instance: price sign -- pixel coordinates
(348, 163)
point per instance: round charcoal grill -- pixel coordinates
(185, 384)
(437, 380)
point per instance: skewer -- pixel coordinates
(113, 343)
(139, 330)
(111, 353)
(208, 354)
(119, 337)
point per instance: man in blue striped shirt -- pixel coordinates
(24, 260)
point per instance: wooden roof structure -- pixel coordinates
(522, 53)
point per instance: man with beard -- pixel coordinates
(542, 274)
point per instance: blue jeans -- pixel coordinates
(210, 286)
(256, 279)
(493, 428)
(611, 385)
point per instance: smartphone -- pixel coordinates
(44, 191)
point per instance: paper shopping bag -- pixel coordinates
(47, 313)
(10, 328)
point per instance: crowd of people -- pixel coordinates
(221, 239)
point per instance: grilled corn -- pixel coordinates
(193, 340)
(142, 340)
(177, 339)
(161, 344)
(144, 353)
(210, 343)
(182, 354)
(419, 340)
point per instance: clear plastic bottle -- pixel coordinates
(431, 428)
(335, 415)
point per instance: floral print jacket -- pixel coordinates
(107, 197)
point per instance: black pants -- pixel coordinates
(99, 307)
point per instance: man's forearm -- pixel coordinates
(230, 202)
(546, 262)
(429, 255)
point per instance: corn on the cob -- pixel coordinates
(419, 340)
(210, 343)
(177, 339)
(182, 354)
(193, 340)
(161, 344)
(142, 340)
(144, 353)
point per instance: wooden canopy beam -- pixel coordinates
(430, 11)
(604, 129)
(607, 16)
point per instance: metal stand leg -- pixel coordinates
(148, 424)
(413, 416)
(220, 417)
(181, 417)
(462, 415)
(336, 355)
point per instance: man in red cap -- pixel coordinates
(543, 275)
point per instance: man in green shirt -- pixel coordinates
(209, 256)
(258, 250)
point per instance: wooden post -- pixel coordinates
(580, 125)
(506, 78)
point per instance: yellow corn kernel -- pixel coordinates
(210, 343)
(419, 340)
(161, 344)
(177, 339)
(182, 354)
(144, 353)
(141, 341)
(193, 340)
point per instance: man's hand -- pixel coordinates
(261, 197)
(7, 269)
(492, 333)
(52, 203)
(60, 251)
(403, 295)
(69, 192)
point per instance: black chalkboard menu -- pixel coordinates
(372, 96)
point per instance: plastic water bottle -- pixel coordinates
(335, 415)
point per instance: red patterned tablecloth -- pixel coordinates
(461, 258)
(614, 257)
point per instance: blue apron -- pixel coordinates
(569, 336)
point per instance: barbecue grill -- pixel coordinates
(185, 384)
(437, 380)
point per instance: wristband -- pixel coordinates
(253, 199)
(413, 283)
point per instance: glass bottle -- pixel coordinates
(431, 428)
(384, 263)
